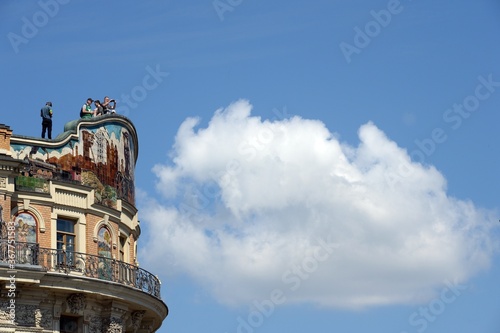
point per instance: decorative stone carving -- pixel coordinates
(113, 325)
(114, 328)
(136, 318)
(76, 302)
(147, 326)
(25, 314)
(38, 318)
(46, 319)
(95, 324)
(5, 317)
(3, 182)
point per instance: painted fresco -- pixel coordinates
(105, 269)
(25, 225)
(104, 243)
(102, 157)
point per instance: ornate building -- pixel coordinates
(69, 231)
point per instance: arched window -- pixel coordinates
(25, 225)
(104, 242)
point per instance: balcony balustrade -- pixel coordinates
(82, 264)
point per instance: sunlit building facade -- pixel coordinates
(69, 232)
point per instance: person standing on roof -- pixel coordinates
(98, 111)
(46, 114)
(108, 108)
(86, 112)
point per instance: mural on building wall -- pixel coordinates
(104, 242)
(25, 225)
(102, 157)
(104, 268)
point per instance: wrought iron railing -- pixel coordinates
(87, 265)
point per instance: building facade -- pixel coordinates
(69, 232)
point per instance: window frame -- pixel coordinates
(65, 254)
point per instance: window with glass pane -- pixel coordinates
(123, 240)
(123, 270)
(69, 324)
(65, 242)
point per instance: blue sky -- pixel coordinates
(303, 166)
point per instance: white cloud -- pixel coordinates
(252, 205)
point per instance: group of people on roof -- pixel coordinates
(107, 106)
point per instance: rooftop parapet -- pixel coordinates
(100, 152)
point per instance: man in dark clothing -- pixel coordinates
(46, 114)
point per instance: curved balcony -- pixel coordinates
(80, 264)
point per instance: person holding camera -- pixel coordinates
(107, 107)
